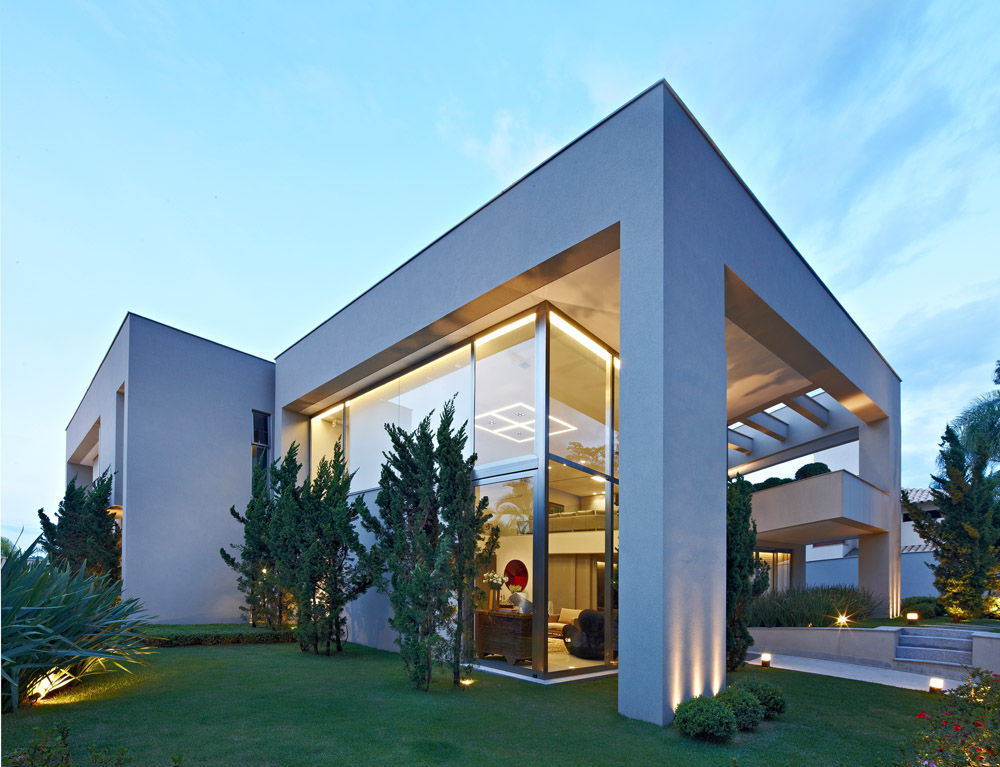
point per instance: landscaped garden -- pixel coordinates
(274, 705)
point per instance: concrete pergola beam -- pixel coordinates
(740, 442)
(768, 424)
(809, 408)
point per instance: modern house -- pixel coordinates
(630, 292)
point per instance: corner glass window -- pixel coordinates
(505, 392)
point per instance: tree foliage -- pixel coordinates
(746, 576)
(431, 541)
(318, 556)
(468, 547)
(266, 601)
(978, 426)
(83, 531)
(966, 535)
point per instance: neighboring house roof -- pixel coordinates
(916, 548)
(919, 494)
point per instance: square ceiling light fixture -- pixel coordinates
(517, 423)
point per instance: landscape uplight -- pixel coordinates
(765, 660)
(936, 684)
(912, 618)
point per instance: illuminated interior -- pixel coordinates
(561, 616)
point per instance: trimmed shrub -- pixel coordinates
(167, 636)
(770, 696)
(927, 607)
(817, 606)
(747, 710)
(771, 482)
(705, 718)
(812, 470)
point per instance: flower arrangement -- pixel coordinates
(514, 588)
(495, 580)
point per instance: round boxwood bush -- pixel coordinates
(705, 718)
(770, 696)
(747, 710)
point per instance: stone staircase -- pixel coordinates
(942, 651)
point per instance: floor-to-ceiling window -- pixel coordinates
(779, 564)
(548, 465)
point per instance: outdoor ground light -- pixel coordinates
(912, 618)
(936, 684)
(765, 660)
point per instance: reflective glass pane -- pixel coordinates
(614, 399)
(503, 622)
(404, 402)
(577, 396)
(505, 392)
(577, 599)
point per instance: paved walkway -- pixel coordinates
(872, 674)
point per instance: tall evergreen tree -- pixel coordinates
(266, 601)
(345, 563)
(966, 535)
(469, 547)
(746, 576)
(83, 530)
(408, 548)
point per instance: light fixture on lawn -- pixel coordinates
(765, 660)
(842, 620)
(936, 684)
(912, 618)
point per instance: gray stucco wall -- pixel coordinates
(916, 578)
(188, 434)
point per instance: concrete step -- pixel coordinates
(936, 631)
(929, 668)
(934, 654)
(941, 643)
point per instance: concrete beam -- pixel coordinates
(768, 424)
(740, 442)
(809, 408)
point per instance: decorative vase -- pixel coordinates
(494, 599)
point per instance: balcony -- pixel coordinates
(826, 508)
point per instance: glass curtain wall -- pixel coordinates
(541, 395)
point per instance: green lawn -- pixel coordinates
(273, 705)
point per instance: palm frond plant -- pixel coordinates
(59, 625)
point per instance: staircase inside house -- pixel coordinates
(945, 652)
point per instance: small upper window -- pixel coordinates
(260, 441)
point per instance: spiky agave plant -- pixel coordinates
(59, 626)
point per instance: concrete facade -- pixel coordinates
(170, 415)
(716, 319)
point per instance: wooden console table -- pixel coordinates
(503, 632)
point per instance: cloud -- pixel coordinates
(510, 148)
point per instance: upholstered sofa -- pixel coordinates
(565, 617)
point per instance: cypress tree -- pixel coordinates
(407, 548)
(468, 546)
(254, 565)
(746, 577)
(83, 530)
(345, 568)
(966, 536)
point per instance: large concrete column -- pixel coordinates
(878, 554)
(673, 470)
(798, 565)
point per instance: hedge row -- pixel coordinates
(168, 636)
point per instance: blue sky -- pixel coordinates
(229, 168)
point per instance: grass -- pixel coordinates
(273, 705)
